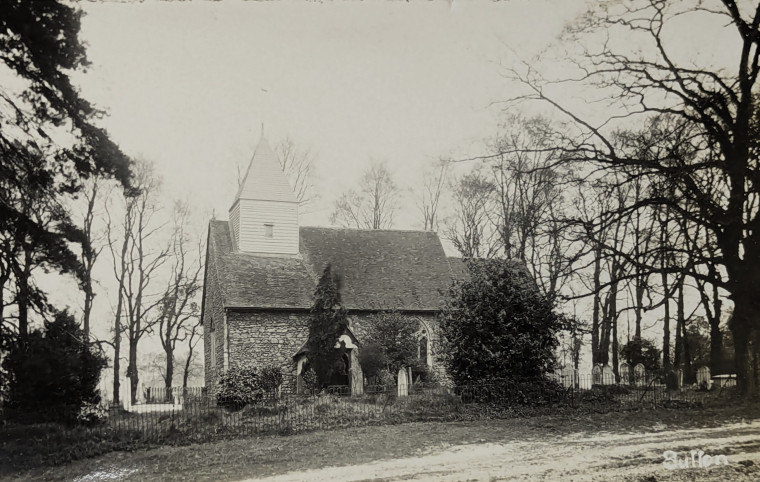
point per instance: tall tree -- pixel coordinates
(717, 104)
(372, 205)
(137, 265)
(178, 312)
(470, 229)
(298, 166)
(530, 200)
(429, 199)
(39, 46)
(327, 323)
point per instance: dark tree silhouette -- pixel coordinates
(39, 45)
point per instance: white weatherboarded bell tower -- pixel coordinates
(264, 214)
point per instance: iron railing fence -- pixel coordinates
(288, 411)
(199, 417)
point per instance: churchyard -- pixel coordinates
(197, 418)
(615, 444)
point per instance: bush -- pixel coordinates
(244, 384)
(52, 376)
(640, 350)
(498, 323)
(310, 380)
(372, 360)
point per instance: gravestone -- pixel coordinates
(403, 382)
(703, 377)
(608, 376)
(568, 377)
(597, 374)
(640, 374)
(625, 373)
(124, 396)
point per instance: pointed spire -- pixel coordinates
(264, 179)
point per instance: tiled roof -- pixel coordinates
(250, 281)
(405, 270)
(381, 269)
(264, 178)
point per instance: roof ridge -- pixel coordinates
(217, 258)
(369, 230)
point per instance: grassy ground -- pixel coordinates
(270, 455)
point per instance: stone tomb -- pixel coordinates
(640, 374)
(703, 377)
(625, 373)
(608, 375)
(596, 374)
(403, 382)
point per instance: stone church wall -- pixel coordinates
(213, 329)
(268, 338)
(274, 337)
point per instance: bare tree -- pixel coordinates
(529, 188)
(433, 182)
(194, 336)
(470, 229)
(372, 205)
(179, 312)
(91, 248)
(718, 188)
(298, 166)
(136, 267)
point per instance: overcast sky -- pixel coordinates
(189, 84)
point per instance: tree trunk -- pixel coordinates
(169, 379)
(613, 316)
(688, 372)
(595, 325)
(132, 369)
(678, 358)
(746, 356)
(666, 323)
(24, 297)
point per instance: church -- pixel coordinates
(262, 269)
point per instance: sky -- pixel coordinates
(188, 85)
(191, 85)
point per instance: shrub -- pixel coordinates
(271, 378)
(52, 376)
(640, 350)
(310, 380)
(247, 383)
(372, 360)
(498, 323)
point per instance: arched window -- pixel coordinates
(423, 344)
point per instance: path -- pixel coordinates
(627, 456)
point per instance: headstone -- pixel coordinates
(403, 382)
(608, 376)
(703, 377)
(597, 374)
(679, 374)
(124, 396)
(625, 373)
(568, 377)
(640, 374)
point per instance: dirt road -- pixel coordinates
(577, 457)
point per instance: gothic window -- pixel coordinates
(423, 344)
